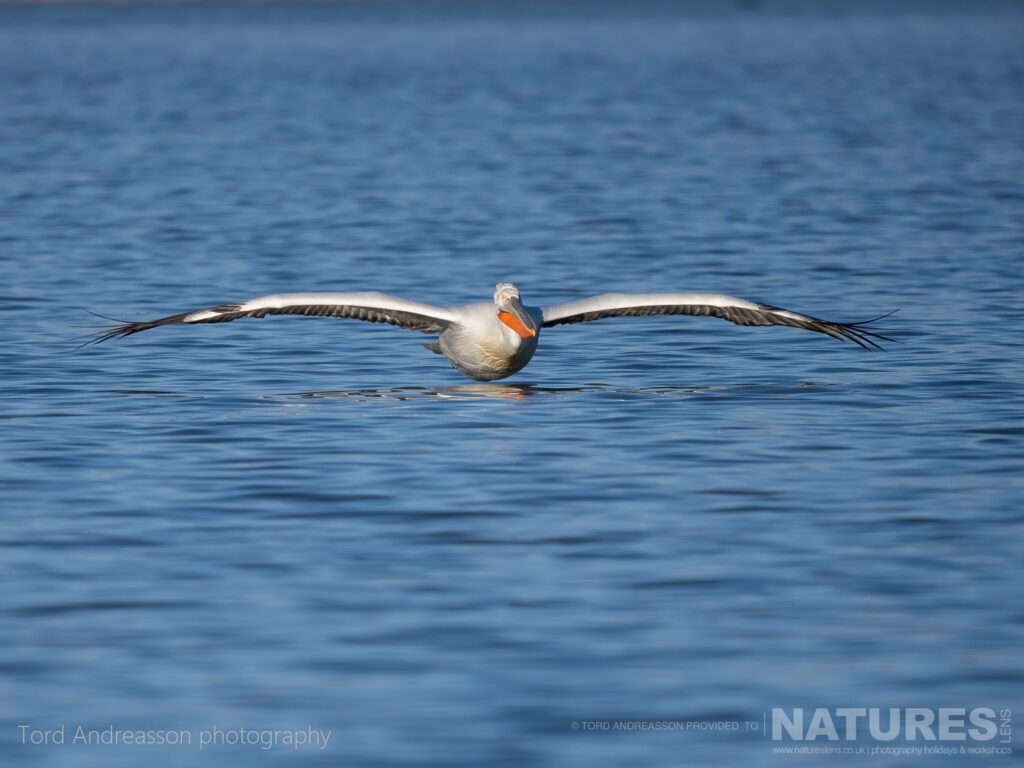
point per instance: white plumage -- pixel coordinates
(493, 340)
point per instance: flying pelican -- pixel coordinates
(492, 340)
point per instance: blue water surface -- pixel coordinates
(312, 522)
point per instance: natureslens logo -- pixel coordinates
(949, 724)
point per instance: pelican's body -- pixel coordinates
(492, 340)
(482, 347)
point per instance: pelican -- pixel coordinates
(492, 340)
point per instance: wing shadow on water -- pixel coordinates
(464, 392)
(500, 391)
(457, 392)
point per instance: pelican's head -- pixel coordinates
(512, 312)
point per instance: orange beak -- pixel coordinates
(517, 325)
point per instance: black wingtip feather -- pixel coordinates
(858, 333)
(106, 317)
(110, 334)
(124, 328)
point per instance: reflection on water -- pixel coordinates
(463, 391)
(308, 521)
(499, 391)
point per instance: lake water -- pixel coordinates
(317, 523)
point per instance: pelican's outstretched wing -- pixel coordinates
(728, 308)
(370, 306)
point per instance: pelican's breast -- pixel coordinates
(483, 351)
